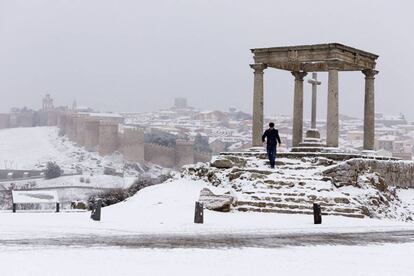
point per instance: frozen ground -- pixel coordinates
(169, 209)
(134, 237)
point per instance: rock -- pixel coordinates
(237, 161)
(211, 201)
(222, 163)
(255, 176)
(343, 200)
(234, 175)
(78, 205)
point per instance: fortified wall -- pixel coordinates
(108, 135)
(160, 155)
(108, 139)
(132, 144)
(4, 120)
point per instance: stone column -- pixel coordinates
(314, 81)
(333, 113)
(257, 128)
(297, 131)
(369, 109)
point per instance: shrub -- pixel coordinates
(52, 170)
(117, 195)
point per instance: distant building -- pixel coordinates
(180, 103)
(386, 142)
(47, 103)
(4, 120)
(22, 117)
(390, 120)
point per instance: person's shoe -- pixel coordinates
(272, 166)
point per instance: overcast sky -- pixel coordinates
(131, 55)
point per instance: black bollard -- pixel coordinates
(96, 211)
(317, 215)
(57, 207)
(14, 207)
(199, 213)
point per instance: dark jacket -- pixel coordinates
(272, 136)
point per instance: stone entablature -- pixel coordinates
(315, 58)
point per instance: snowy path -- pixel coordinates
(215, 241)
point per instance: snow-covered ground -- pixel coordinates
(377, 260)
(169, 208)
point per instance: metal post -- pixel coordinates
(199, 212)
(14, 207)
(317, 217)
(57, 207)
(96, 212)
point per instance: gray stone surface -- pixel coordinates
(333, 113)
(297, 129)
(369, 109)
(215, 202)
(258, 104)
(314, 82)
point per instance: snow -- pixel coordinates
(378, 260)
(169, 208)
(32, 148)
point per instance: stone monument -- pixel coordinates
(300, 60)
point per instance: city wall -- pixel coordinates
(108, 135)
(132, 144)
(160, 155)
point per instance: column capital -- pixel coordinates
(299, 75)
(369, 73)
(258, 67)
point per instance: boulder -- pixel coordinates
(237, 161)
(222, 163)
(211, 201)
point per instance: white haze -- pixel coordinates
(126, 55)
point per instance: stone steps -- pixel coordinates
(289, 208)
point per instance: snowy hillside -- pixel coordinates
(32, 148)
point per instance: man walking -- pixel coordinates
(271, 136)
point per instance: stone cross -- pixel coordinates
(314, 81)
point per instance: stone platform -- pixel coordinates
(343, 184)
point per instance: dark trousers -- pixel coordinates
(271, 153)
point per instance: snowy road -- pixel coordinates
(215, 241)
